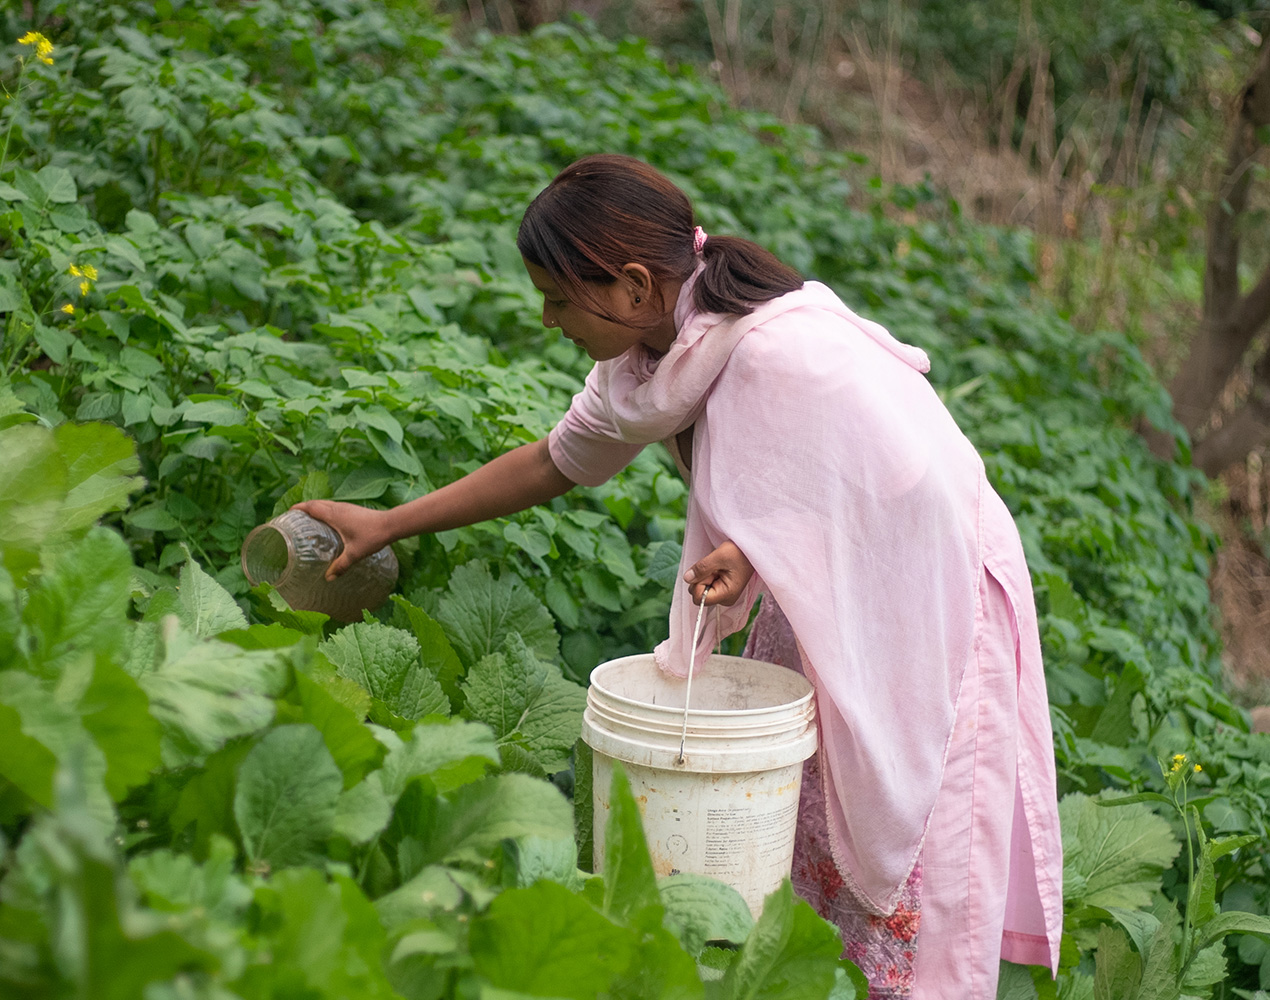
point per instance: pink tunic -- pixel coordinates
(822, 452)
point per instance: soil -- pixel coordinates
(1240, 583)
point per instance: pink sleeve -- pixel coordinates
(584, 445)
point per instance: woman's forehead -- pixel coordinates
(541, 279)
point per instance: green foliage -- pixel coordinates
(285, 235)
(194, 806)
(1158, 954)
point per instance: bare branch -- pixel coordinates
(1229, 320)
(1248, 429)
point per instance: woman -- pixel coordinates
(827, 475)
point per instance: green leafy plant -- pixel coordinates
(300, 217)
(194, 803)
(1155, 952)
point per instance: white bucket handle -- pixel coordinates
(692, 661)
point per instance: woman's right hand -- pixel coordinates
(364, 530)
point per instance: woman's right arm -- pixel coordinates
(520, 478)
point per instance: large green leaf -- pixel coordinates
(323, 938)
(32, 491)
(351, 743)
(54, 723)
(517, 694)
(450, 753)
(114, 951)
(59, 481)
(204, 693)
(116, 712)
(178, 882)
(1113, 857)
(78, 607)
(208, 607)
(478, 613)
(1119, 968)
(1234, 922)
(432, 889)
(531, 859)
(385, 661)
(435, 651)
(24, 760)
(630, 884)
(547, 942)
(791, 954)
(701, 909)
(101, 462)
(288, 790)
(207, 799)
(477, 816)
(362, 811)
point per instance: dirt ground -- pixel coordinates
(1240, 583)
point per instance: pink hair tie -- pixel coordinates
(699, 238)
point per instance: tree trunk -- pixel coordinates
(1230, 320)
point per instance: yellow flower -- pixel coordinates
(68, 309)
(43, 47)
(1198, 769)
(88, 273)
(1178, 760)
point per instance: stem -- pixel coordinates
(1190, 864)
(17, 91)
(268, 453)
(330, 455)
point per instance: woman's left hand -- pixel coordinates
(725, 571)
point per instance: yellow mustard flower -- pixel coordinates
(43, 47)
(87, 273)
(1198, 769)
(68, 309)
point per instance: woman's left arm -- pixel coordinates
(725, 571)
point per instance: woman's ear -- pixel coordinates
(640, 284)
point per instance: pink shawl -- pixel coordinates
(825, 455)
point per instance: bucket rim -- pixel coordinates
(702, 712)
(673, 719)
(738, 759)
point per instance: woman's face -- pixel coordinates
(602, 339)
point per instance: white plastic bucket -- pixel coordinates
(730, 808)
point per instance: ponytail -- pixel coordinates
(606, 211)
(739, 275)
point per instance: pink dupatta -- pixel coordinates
(825, 455)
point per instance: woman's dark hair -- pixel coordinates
(606, 211)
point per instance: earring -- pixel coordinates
(637, 300)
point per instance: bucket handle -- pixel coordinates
(692, 662)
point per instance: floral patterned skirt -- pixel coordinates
(884, 947)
